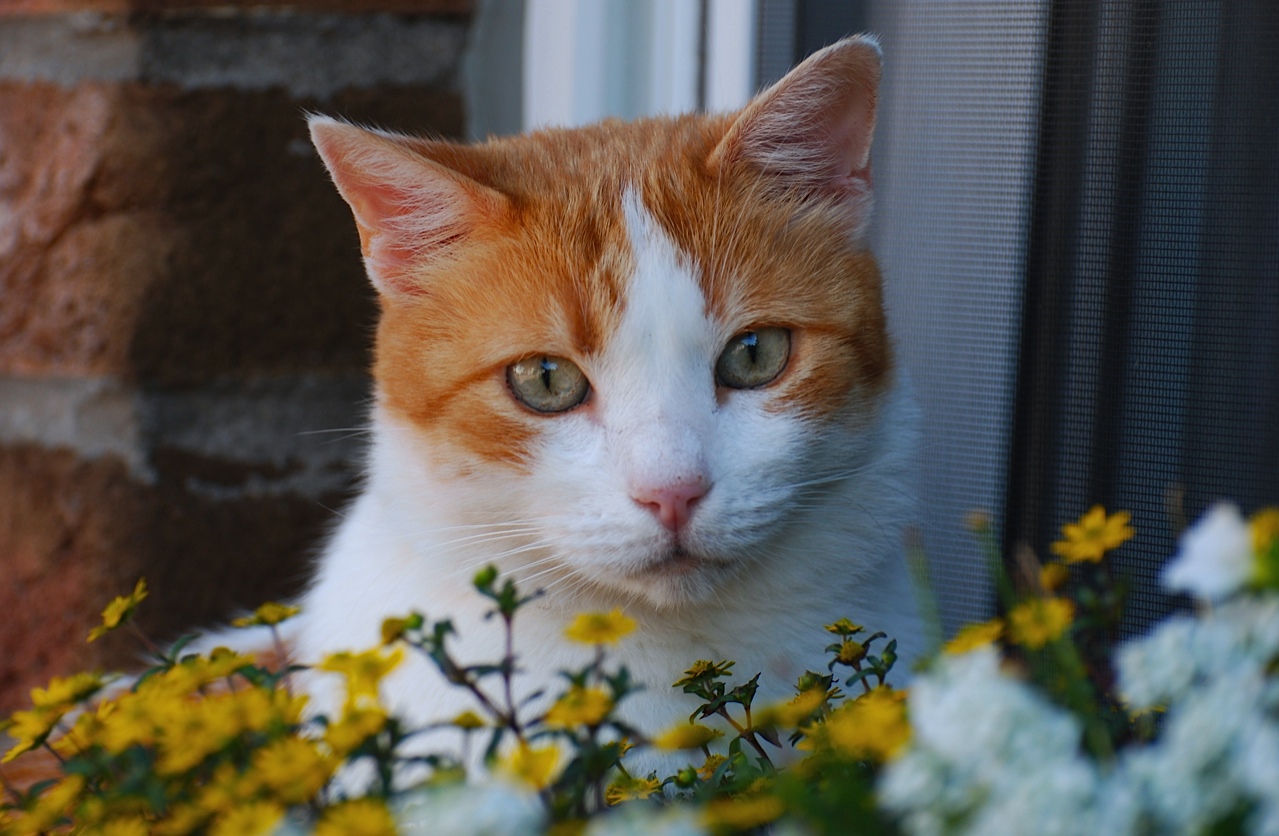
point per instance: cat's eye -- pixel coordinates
(753, 358)
(547, 384)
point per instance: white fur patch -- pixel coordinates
(660, 395)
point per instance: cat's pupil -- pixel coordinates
(751, 341)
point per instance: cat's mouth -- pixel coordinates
(679, 561)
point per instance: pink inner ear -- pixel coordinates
(408, 209)
(813, 129)
(402, 227)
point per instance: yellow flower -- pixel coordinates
(227, 790)
(65, 692)
(132, 826)
(973, 636)
(393, 629)
(119, 610)
(686, 736)
(600, 628)
(792, 713)
(252, 819)
(193, 673)
(1265, 529)
(223, 661)
(1034, 623)
(977, 521)
(580, 707)
(1265, 546)
(191, 730)
(86, 731)
(742, 812)
(627, 788)
(872, 726)
(362, 817)
(363, 671)
(31, 728)
(51, 806)
(1052, 576)
(182, 819)
(704, 668)
(537, 767)
(130, 722)
(850, 652)
(267, 615)
(844, 627)
(711, 764)
(469, 720)
(292, 768)
(356, 726)
(1093, 536)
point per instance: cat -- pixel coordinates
(640, 365)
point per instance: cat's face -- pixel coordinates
(635, 351)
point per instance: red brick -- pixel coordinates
(180, 236)
(54, 7)
(76, 533)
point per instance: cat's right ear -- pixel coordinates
(811, 132)
(408, 209)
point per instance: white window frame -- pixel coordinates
(585, 60)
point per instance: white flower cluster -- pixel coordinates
(500, 808)
(990, 755)
(496, 808)
(1218, 753)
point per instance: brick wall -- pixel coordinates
(184, 321)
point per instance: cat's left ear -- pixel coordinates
(812, 130)
(410, 210)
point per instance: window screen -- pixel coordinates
(1150, 358)
(1079, 226)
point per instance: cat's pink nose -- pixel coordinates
(672, 504)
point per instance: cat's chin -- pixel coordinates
(676, 578)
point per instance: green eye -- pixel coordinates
(753, 358)
(547, 384)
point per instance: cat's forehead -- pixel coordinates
(756, 256)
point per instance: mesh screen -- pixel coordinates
(953, 158)
(954, 155)
(1079, 225)
(1151, 371)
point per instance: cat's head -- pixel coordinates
(639, 352)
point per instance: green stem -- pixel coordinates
(925, 595)
(995, 565)
(1081, 698)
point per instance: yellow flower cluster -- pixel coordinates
(686, 736)
(535, 766)
(580, 707)
(872, 726)
(1265, 543)
(363, 672)
(743, 812)
(973, 636)
(1038, 621)
(1093, 535)
(175, 721)
(628, 788)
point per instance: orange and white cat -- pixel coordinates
(640, 365)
